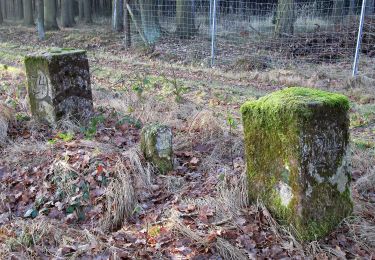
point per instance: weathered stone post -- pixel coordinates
(156, 146)
(296, 143)
(59, 84)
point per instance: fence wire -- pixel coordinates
(256, 34)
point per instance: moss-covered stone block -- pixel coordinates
(58, 83)
(296, 143)
(156, 146)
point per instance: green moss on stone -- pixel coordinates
(284, 134)
(156, 145)
(67, 87)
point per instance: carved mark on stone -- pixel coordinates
(41, 89)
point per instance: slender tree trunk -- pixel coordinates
(185, 18)
(128, 40)
(2, 8)
(18, 9)
(87, 11)
(28, 17)
(50, 10)
(81, 11)
(150, 21)
(285, 18)
(1, 12)
(338, 10)
(40, 22)
(65, 14)
(369, 7)
(117, 15)
(351, 7)
(71, 12)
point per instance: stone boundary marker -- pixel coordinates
(156, 146)
(296, 143)
(58, 83)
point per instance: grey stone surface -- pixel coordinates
(58, 84)
(156, 145)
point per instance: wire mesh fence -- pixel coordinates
(254, 34)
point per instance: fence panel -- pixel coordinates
(249, 34)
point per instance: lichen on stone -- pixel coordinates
(296, 142)
(59, 84)
(156, 145)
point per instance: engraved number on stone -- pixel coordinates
(41, 90)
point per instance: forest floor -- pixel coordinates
(63, 189)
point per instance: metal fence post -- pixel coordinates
(359, 39)
(213, 31)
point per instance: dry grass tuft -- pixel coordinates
(363, 231)
(207, 124)
(65, 177)
(120, 199)
(31, 239)
(224, 248)
(142, 172)
(366, 182)
(5, 117)
(69, 125)
(234, 193)
(131, 175)
(33, 233)
(228, 251)
(18, 153)
(185, 231)
(363, 160)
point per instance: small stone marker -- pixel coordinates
(296, 143)
(156, 146)
(59, 84)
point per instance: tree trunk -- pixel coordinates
(87, 11)
(18, 9)
(338, 10)
(369, 7)
(1, 12)
(40, 22)
(117, 15)
(65, 14)
(50, 9)
(71, 11)
(28, 17)
(3, 9)
(128, 41)
(185, 18)
(351, 7)
(81, 11)
(285, 18)
(150, 21)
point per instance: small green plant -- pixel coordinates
(66, 137)
(140, 85)
(92, 128)
(22, 117)
(130, 120)
(232, 123)
(154, 231)
(178, 88)
(137, 210)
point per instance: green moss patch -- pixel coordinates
(296, 143)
